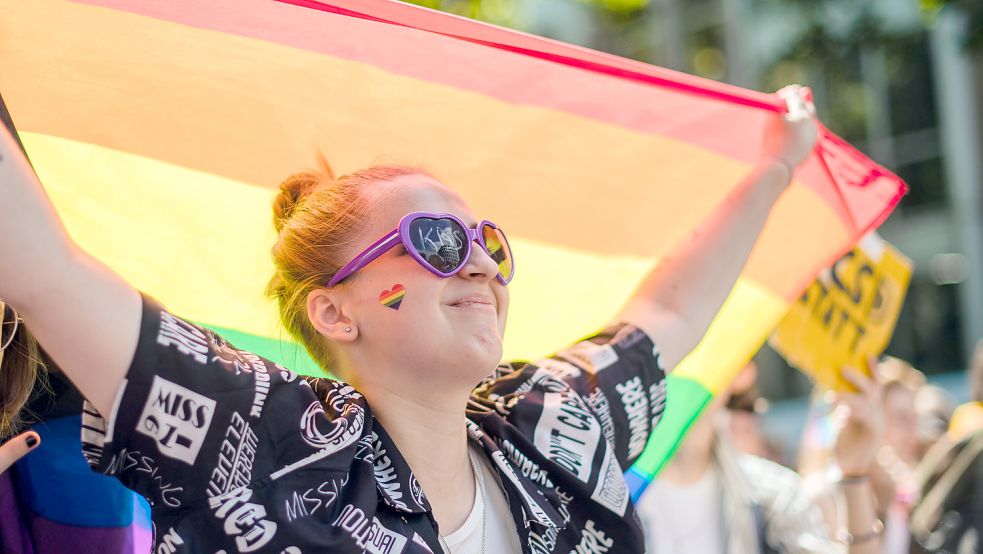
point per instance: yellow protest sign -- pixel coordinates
(846, 315)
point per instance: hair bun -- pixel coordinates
(296, 187)
(292, 191)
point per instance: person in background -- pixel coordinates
(968, 417)
(713, 498)
(948, 507)
(902, 382)
(50, 501)
(745, 407)
(18, 372)
(17, 376)
(934, 407)
(893, 475)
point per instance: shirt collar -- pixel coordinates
(399, 489)
(394, 480)
(538, 512)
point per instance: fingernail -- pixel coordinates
(32, 441)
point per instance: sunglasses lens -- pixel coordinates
(442, 243)
(498, 249)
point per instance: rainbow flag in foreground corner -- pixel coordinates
(161, 129)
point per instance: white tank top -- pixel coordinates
(500, 534)
(684, 519)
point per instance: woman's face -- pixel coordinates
(449, 327)
(901, 422)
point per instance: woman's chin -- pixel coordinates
(482, 351)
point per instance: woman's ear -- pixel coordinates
(326, 312)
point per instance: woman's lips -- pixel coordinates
(474, 301)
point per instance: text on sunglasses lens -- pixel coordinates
(442, 243)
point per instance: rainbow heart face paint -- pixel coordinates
(392, 298)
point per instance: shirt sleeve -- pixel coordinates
(793, 522)
(193, 418)
(615, 373)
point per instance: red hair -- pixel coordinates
(317, 216)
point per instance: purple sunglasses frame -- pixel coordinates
(397, 236)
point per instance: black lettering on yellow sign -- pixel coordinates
(846, 316)
(851, 299)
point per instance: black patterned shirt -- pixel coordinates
(237, 454)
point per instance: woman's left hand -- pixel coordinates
(790, 137)
(861, 423)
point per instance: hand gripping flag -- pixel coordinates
(161, 129)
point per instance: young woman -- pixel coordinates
(388, 278)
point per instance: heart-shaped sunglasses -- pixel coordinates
(441, 243)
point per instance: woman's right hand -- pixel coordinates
(16, 448)
(83, 315)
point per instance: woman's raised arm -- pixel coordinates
(680, 297)
(85, 316)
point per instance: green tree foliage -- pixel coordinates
(972, 8)
(503, 12)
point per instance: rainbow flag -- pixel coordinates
(51, 502)
(161, 129)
